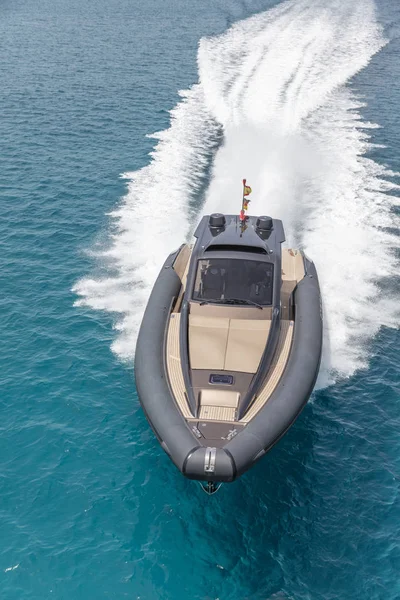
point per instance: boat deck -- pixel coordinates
(224, 413)
(236, 349)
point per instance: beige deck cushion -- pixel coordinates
(225, 398)
(292, 265)
(208, 338)
(246, 344)
(226, 344)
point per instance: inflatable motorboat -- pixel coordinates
(229, 347)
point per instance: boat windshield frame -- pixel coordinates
(234, 280)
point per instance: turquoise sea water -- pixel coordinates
(90, 506)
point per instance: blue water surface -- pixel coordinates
(90, 506)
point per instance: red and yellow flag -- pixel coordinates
(246, 190)
(245, 202)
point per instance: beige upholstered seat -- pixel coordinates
(220, 405)
(226, 344)
(246, 344)
(292, 265)
(292, 273)
(208, 337)
(219, 398)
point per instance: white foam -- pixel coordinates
(11, 568)
(152, 220)
(276, 84)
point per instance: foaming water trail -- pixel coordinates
(294, 129)
(152, 219)
(275, 84)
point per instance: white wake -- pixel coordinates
(276, 86)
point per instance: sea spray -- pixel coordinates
(275, 85)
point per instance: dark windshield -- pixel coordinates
(234, 279)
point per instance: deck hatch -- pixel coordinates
(218, 379)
